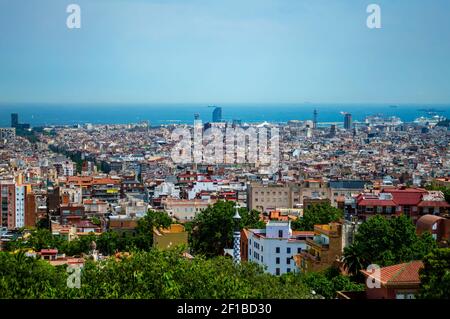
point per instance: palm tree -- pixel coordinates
(353, 262)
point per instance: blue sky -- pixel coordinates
(225, 51)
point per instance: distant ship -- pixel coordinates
(430, 111)
(393, 106)
(429, 120)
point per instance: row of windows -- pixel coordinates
(280, 200)
(278, 271)
(288, 260)
(288, 250)
(256, 245)
(273, 193)
(256, 256)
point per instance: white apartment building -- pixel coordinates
(20, 206)
(275, 246)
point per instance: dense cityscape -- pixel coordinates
(102, 199)
(228, 158)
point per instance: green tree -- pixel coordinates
(108, 243)
(317, 215)
(386, 242)
(212, 229)
(435, 276)
(144, 230)
(327, 283)
(27, 277)
(353, 260)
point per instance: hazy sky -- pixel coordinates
(224, 51)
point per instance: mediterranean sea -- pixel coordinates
(160, 114)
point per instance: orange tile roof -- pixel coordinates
(302, 233)
(400, 274)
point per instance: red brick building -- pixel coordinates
(413, 202)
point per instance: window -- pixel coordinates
(262, 248)
(277, 250)
(277, 271)
(288, 270)
(262, 258)
(280, 233)
(277, 260)
(299, 250)
(288, 261)
(288, 250)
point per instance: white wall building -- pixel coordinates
(274, 246)
(166, 189)
(184, 209)
(20, 206)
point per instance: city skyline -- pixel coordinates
(225, 52)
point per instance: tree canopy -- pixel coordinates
(386, 242)
(435, 276)
(107, 243)
(212, 229)
(317, 215)
(153, 274)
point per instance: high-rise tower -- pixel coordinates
(347, 121)
(315, 119)
(217, 115)
(14, 120)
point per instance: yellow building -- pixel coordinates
(171, 237)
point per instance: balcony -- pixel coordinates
(317, 243)
(310, 257)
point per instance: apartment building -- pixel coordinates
(341, 189)
(314, 189)
(18, 205)
(7, 134)
(275, 246)
(185, 209)
(272, 196)
(326, 247)
(413, 202)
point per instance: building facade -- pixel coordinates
(270, 197)
(275, 246)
